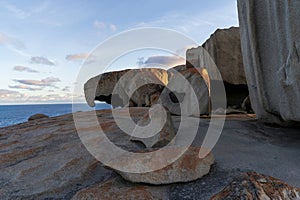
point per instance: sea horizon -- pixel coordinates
(19, 113)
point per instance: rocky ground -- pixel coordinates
(45, 158)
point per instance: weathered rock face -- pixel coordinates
(136, 87)
(150, 137)
(256, 186)
(270, 35)
(224, 47)
(117, 189)
(37, 116)
(188, 92)
(187, 168)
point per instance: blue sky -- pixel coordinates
(43, 43)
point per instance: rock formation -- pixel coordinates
(47, 160)
(37, 116)
(256, 186)
(187, 168)
(162, 131)
(136, 87)
(270, 35)
(114, 189)
(187, 92)
(224, 47)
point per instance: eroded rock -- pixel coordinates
(270, 35)
(187, 92)
(118, 189)
(135, 87)
(37, 116)
(161, 129)
(186, 168)
(257, 186)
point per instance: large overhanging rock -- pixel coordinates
(187, 92)
(257, 186)
(105, 88)
(270, 34)
(187, 168)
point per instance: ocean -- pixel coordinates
(15, 114)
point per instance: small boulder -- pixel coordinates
(37, 116)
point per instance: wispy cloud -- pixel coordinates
(50, 81)
(18, 12)
(25, 87)
(66, 89)
(169, 61)
(9, 95)
(80, 56)
(104, 26)
(24, 69)
(13, 44)
(41, 60)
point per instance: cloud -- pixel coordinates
(9, 94)
(66, 89)
(44, 82)
(24, 69)
(169, 61)
(13, 44)
(113, 27)
(103, 26)
(17, 11)
(80, 56)
(41, 60)
(25, 87)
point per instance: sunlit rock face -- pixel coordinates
(187, 92)
(270, 35)
(136, 87)
(224, 49)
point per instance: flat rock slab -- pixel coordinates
(46, 159)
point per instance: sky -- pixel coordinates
(44, 43)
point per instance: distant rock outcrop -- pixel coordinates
(37, 116)
(270, 35)
(256, 186)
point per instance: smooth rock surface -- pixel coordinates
(257, 186)
(224, 46)
(223, 51)
(188, 167)
(135, 87)
(37, 116)
(270, 35)
(117, 188)
(187, 92)
(161, 130)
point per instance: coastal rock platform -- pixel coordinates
(45, 158)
